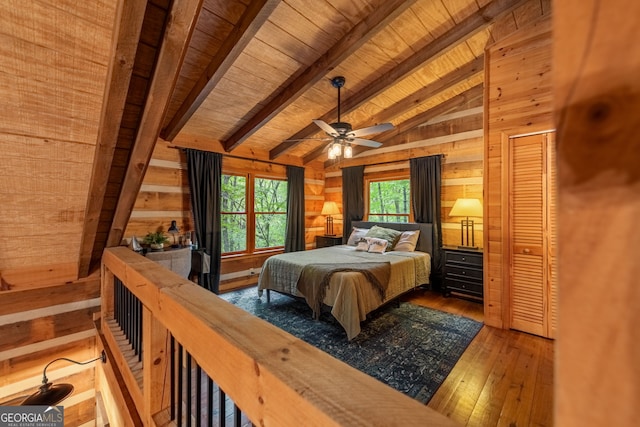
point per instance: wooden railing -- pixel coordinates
(275, 378)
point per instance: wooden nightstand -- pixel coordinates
(324, 241)
(463, 272)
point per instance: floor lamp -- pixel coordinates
(467, 208)
(328, 209)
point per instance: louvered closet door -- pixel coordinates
(532, 268)
(552, 193)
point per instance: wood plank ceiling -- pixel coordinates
(234, 76)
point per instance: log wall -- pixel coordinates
(40, 324)
(164, 196)
(597, 97)
(518, 101)
(458, 136)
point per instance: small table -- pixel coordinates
(177, 260)
(325, 241)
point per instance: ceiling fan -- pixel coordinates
(342, 133)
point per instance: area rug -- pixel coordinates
(408, 347)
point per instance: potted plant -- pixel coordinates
(156, 240)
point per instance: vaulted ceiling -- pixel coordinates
(256, 74)
(89, 88)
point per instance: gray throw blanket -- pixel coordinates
(315, 278)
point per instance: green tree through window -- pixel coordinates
(270, 207)
(389, 201)
(253, 213)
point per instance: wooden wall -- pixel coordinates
(164, 196)
(518, 98)
(40, 324)
(597, 97)
(458, 136)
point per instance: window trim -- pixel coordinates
(378, 178)
(250, 211)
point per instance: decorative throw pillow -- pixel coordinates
(363, 245)
(377, 245)
(408, 241)
(387, 234)
(356, 235)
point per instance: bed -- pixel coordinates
(348, 278)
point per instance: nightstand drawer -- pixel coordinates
(464, 258)
(463, 273)
(454, 285)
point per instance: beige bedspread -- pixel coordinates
(349, 294)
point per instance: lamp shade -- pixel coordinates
(173, 228)
(330, 208)
(466, 207)
(50, 394)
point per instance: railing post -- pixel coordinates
(106, 294)
(155, 360)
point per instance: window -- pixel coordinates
(389, 200)
(253, 213)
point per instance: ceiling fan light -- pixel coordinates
(348, 151)
(332, 153)
(337, 148)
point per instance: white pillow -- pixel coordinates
(362, 245)
(408, 241)
(377, 245)
(356, 235)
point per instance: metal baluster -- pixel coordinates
(134, 324)
(180, 385)
(237, 420)
(116, 299)
(188, 388)
(198, 394)
(140, 339)
(172, 375)
(222, 408)
(210, 401)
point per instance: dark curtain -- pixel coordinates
(205, 175)
(425, 182)
(294, 238)
(352, 198)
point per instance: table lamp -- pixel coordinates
(328, 209)
(173, 229)
(466, 208)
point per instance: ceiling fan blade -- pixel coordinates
(325, 127)
(371, 129)
(365, 142)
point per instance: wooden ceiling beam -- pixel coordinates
(362, 32)
(476, 22)
(414, 100)
(128, 24)
(252, 20)
(178, 31)
(391, 138)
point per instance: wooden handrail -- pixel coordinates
(274, 377)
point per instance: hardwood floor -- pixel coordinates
(504, 378)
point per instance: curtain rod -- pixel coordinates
(442, 155)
